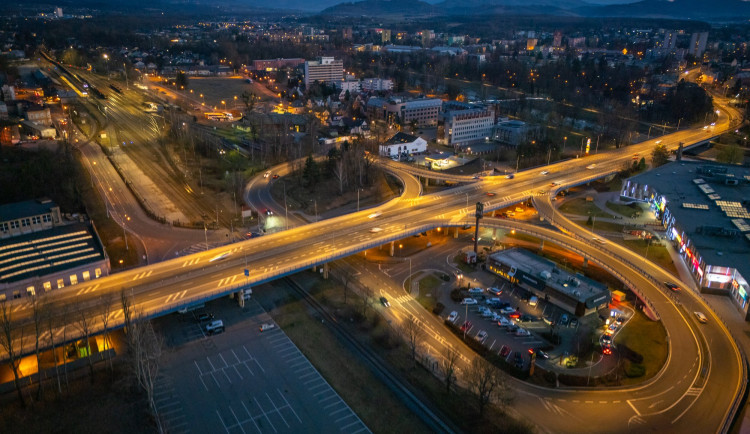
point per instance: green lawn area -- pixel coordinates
(580, 206)
(647, 338)
(626, 210)
(427, 294)
(657, 254)
(463, 266)
(598, 226)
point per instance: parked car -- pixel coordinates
(518, 360)
(469, 301)
(453, 316)
(574, 322)
(466, 326)
(505, 351)
(564, 319)
(542, 354)
(533, 301)
(476, 291)
(203, 317)
(493, 300)
(384, 302)
(216, 326)
(486, 313)
(526, 318)
(494, 291)
(503, 322)
(482, 335)
(267, 326)
(522, 332)
(507, 310)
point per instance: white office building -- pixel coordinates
(466, 126)
(403, 144)
(324, 70)
(377, 85)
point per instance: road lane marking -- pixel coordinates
(633, 407)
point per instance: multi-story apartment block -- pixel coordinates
(324, 70)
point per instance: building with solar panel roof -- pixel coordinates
(704, 210)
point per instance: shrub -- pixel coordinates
(456, 295)
(634, 370)
(438, 309)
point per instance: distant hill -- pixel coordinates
(382, 8)
(677, 9)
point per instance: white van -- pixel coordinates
(216, 326)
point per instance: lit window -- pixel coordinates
(86, 276)
(97, 273)
(73, 279)
(60, 283)
(47, 286)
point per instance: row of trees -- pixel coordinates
(52, 320)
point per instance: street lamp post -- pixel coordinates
(286, 211)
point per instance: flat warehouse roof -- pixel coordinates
(47, 252)
(710, 202)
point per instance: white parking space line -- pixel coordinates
(289, 406)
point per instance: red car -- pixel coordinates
(505, 351)
(466, 326)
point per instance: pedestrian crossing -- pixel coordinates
(227, 281)
(176, 296)
(87, 289)
(142, 275)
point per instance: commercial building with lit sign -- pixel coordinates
(576, 294)
(704, 210)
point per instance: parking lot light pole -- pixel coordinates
(466, 319)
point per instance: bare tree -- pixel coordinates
(346, 279)
(85, 326)
(448, 367)
(366, 300)
(413, 334)
(339, 171)
(39, 308)
(11, 339)
(50, 322)
(106, 312)
(65, 315)
(484, 379)
(147, 354)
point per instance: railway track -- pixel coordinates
(430, 416)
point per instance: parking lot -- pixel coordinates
(509, 324)
(243, 380)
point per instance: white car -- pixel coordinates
(453, 316)
(507, 309)
(374, 215)
(482, 335)
(494, 291)
(492, 300)
(468, 301)
(591, 166)
(486, 313)
(503, 322)
(522, 332)
(544, 172)
(267, 174)
(701, 317)
(476, 291)
(376, 230)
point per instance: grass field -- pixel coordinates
(647, 338)
(579, 206)
(657, 254)
(629, 211)
(427, 294)
(218, 89)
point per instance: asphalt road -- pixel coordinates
(679, 399)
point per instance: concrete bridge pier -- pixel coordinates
(455, 232)
(325, 271)
(240, 298)
(585, 262)
(393, 248)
